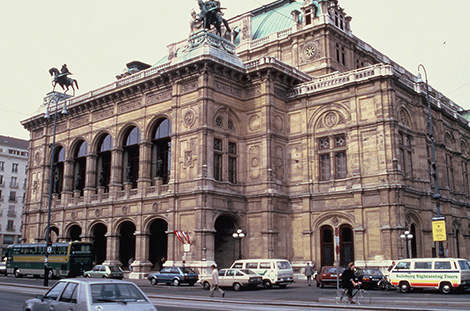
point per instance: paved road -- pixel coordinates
(298, 296)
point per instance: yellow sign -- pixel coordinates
(439, 230)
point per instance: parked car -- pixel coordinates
(91, 294)
(235, 278)
(274, 271)
(174, 275)
(328, 276)
(3, 268)
(104, 271)
(370, 277)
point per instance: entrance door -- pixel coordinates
(346, 245)
(158, 243)
(327, 246)
(224, 248)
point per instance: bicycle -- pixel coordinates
(359, 296)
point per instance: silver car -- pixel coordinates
(91, 294)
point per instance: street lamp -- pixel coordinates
(239, 235)
(53, 97)
(436, 195)
(407, 236)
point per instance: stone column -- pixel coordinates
(112, 249)
(116, 182)
(145, 154)
(90, 175)
(141, 265)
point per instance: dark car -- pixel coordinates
(174, 275)
(328, 276)
(370, 277)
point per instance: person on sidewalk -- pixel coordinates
(308, 273)
(215, 282)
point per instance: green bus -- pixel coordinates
(67, 259)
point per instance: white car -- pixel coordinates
(91, 294)
(235, 278)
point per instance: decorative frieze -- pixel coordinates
(129, 106)
(189, 86)
(228, 89)
(253, 92)
(159, 97)
(103, 114)
(78, 122)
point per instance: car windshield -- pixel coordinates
(247, 271)
(282, 265)
(187, 270)
(116, 293)
(370, 272)
(464, 265)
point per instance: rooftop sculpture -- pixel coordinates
(210, 14)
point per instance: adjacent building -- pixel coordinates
(290, 128)
(13, 165)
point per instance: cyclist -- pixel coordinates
(349, 280)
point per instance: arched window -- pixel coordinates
(103, 163)
(79, 170)
(130, 159)
(161, 151)
(457, 243)
(58, 170)
(414, 248)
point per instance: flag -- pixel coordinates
(183, 236)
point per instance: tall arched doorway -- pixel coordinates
(75, 232)
(158, 247)
(130, 159)
(327, 246)
(126, 242)
(346, 240)
(224, 243)
(414, 245)
(99, 243)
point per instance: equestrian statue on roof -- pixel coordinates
(62, 79)
(211, 14)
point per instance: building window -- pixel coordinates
(12, 197)
(232, 163)
(10, 225)
(161, 151)
(2, 166)
(339, 20)
(217, 159)
(11, 211)
(8, 239)
(406, 155)
(14, 182)
(14, 168)
(340, 55)
(130, 159)
(332, 148)
(79, 169)
(450, 172)
(103, 162)
(465, 177)
(1, 180)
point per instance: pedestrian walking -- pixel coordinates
(129, 263)
(215, 282)
(308, 273)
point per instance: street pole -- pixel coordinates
(54, 97)
(436, 195)
(239, 235)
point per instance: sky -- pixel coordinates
(96, 38)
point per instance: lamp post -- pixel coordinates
(407, 236)
(239, 235)
(53, 97)
(436, 195)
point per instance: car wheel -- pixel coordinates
(237, 287)
(17, 273)
(446, 288)
(176, 282)
(206, 285)
(404, 287)
(267, 284)
(153, 281)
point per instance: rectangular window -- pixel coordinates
(12, 197)
(464, 177)
(406, 155)
(10, 226)
(340, 165)
(14, 168)
(217, 159)
(1, 179)
(325, 166)
(2, 165)
(14, 182)
(232, 163)
(8, 239)
(11, 211)
(450, 172)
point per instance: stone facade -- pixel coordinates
(294, 137)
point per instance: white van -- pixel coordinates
(444, 274)
(274, 271)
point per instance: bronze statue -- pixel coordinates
(211, 14)
(62, 79)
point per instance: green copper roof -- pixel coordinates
(275, 19)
